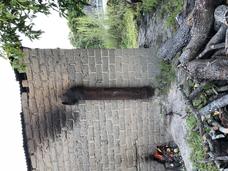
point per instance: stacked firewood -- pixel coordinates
(202, 44)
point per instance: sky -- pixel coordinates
(11, 145)
(56, 32)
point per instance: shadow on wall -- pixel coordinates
(76, 93)
(46, 128)
(50, 125)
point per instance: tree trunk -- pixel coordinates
(202, 19)
(209, 69)
(182, 37)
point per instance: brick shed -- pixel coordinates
(92, 135)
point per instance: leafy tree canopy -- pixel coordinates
(16, 16)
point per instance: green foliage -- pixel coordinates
(169, 8)
(149, 5)
(129, 31)
(123, 26)
(202, 99)
(172, 9)
(90, 32)
(16, 16)
(196, 143)
(116, 30)
(167, 75)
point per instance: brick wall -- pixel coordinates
(93, 135)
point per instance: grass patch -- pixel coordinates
(166, 76)
(196, 143)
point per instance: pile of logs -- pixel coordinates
(202, 44)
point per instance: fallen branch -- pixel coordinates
(193, 111)
(221, 158)
(197, 91)
(217, 38)
(215, 105)
(217, 46)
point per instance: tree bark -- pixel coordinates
(202, 19)
(182, 37)
(209, 69)
(213, 106)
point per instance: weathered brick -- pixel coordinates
(105, 52)
(112, 71)
(112, 56)
(98, 56)
(92, 65)
(119, 52)
(105, 64)
(99, 74)
(91, 52)
(116, 132)
(93, 135)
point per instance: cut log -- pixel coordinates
(223, 158)
(174, 45)
(220, 15)
(217, 38)
(223, 88)
(209, 69)
(215, 105)
(202, 19)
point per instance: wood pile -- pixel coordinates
(201, 42)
